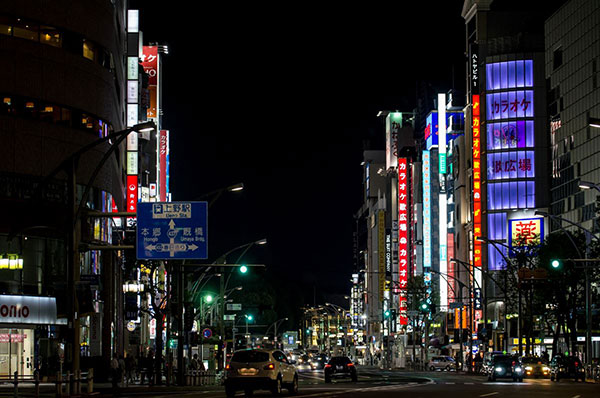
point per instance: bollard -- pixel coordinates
(16, 382)
(90, 381)
(77, 383)
(68, 385)
(59, 385)
(36, 381)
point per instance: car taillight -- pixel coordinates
(327, 366)
(227, 367)
(269, 367)
(350, 364)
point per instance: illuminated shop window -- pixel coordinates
(497, 232)
(50, 36)
(89, 50)
(26, 30)
(508, 135)
(509, 75)
(511, 195)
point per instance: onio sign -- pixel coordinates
(28, 309)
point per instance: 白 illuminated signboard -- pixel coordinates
(427, 216)
(381, 251)
(403, 247)
(442, 203)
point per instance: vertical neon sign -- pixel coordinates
(403, 249)
(477, 261)
(427, 216)
(443, 203)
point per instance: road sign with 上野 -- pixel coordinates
(172, 230)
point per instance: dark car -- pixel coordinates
(319, 361)
(339, 367)
(566, 367)
(505, 366)
(535, 367)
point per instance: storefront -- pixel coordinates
(24, 321)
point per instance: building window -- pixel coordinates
(557, 58)
(89, 50)
(50, 36)
(26, 30)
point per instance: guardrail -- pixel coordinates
(65, 385)
(200, 377)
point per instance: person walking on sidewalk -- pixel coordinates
(115, 374)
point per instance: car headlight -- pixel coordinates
(546, 369)
(528, 368)
(518, 369)
(498, 369)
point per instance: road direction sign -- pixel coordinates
(172, 230)
(412, 313)
(456, 305)
(234, 307)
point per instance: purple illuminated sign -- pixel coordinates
(510, 105)
(514, 164)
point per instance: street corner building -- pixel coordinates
(72, 88)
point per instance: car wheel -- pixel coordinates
(432, 368)
(229, 391)
(327, 379)
(448, 368)
(354, 378)
(277, 387)
(551, 377)
(493, 378)
(521, 380)
(293, 388)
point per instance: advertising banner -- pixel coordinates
(132, 193)
(28, 310)
(162, 157)
(381, 251)
(477, 259)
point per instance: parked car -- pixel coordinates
(340, 367)
(566, 367)
(535, 367)
(505, 366)
(250, 370)
(441, 362)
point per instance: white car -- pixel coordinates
(441, 362)
(250, 370)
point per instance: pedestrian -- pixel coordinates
(150, 368)
(129, 369)
(114, 373)
(121, 368)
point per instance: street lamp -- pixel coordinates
(73, 219)
(588, 238)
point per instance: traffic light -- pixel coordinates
(556, 263)
(386, 314)
(424, 307)
(243, 269)
(208, 298)
(249, 317)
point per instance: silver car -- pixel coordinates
(250, 370)
(441, 362)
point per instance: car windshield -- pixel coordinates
(250, 356)
(531, 360)
(502, 360)
(339, 360)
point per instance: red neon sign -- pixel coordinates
(477, 261)
(403, 249)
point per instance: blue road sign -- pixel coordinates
(172, 230)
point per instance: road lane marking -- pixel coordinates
(489, 394)
(577, 396)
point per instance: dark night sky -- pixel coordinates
(281, 98)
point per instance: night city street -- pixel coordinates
(223, 200)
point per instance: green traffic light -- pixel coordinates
(387, 313)
(424, 306)
(249, 317)
(243, 269)
(555, 263)
(208, 299)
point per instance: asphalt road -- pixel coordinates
(376, 383)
